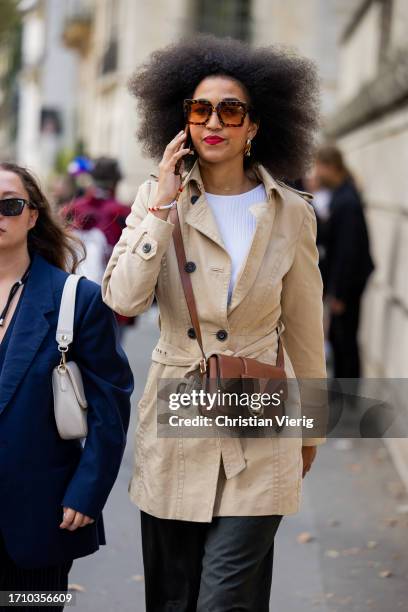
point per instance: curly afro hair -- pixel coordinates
(283, 89)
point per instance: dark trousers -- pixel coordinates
(220, 566)
(14, 578)
(343, 339)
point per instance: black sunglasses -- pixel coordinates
(12, 207)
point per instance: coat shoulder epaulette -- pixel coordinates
(303, 194)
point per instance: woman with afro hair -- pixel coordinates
(211, 506)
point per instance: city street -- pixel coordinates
(345, 549)
(279, 131)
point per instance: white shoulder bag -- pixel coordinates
(70, 405)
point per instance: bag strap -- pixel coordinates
(186, 283)
(189, 294)
(65, 326)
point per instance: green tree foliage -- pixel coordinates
(9, 19)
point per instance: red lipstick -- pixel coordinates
(213, 140)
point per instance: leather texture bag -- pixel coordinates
(70, 405)
(228, 373)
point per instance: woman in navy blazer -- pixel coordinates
(52, 491)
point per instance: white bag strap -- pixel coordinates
(65, 327)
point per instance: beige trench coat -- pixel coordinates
(196, 479)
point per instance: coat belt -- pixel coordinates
(233, 458)
(171, 354)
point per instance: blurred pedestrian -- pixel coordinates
(210, 508)
(79, 170)
(52, 490)
(348, 263)
(99, 219)
(321, 204)
(62, 189)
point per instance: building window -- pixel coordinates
(385, 29)
(224, 17)
(110, 57)
(109, 61)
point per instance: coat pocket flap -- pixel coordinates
(265, 385)
(147, 247)
(271, 378)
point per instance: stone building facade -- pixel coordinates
(371, 126)
(43, 91)
(112, 37)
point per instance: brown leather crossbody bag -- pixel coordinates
(226, 372)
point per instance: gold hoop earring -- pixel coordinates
(247, 150)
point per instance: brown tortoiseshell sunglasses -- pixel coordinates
(231, 113)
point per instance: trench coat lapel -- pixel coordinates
(199, 216)
(265, 216)
(30, 328)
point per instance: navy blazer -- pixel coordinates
(39, 472)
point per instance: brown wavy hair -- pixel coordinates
(50, 238)
(331, 155)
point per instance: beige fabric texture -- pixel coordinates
(279, 285)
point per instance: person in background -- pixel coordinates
(348, 263)
(99, 218)
(52, 490)
(79, 170)
(62, 189)
(321, 204)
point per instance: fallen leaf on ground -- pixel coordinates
(385, 574)
(76, 587)
(305, 537)
(332, 553)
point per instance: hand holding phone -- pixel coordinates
(169, 172)
(185, 145)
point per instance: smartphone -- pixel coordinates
(186, 145)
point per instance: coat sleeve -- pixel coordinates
(302, 309)
(131, 275)
(108, 384)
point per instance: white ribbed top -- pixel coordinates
(236, 224)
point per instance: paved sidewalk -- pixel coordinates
(355, 508)
(353, 514)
